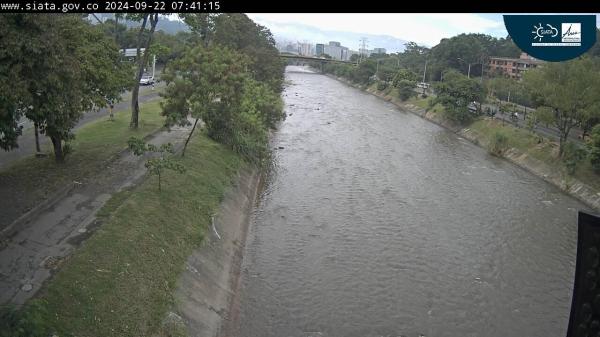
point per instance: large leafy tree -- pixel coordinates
(59, 66)
(240, 33)
(455, 93)
(569, 89)
(205, 83)
(461, 50)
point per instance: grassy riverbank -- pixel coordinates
(30, 180)
(121, 280)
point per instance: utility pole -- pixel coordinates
(482, 72)
(362, 48)
(424, 72)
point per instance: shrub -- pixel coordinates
(405, 89)
(498, 144)
(572, 156)
(595, 149)
(381, 85)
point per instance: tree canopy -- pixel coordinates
(58, 66)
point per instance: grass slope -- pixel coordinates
(30, 180)
(121, 281)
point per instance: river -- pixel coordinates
(376, 222)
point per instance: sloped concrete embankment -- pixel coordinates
(207, 287)
(570, 185)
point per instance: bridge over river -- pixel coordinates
(375, 222)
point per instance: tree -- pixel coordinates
(569, 89)
(202, 25)
(144, 39)
(595, 149)
(204, 84)
(590, 118)
(60, 66)
(157, 164)
(404, 75)
(456, 93)
(240, 33)
(405, 80)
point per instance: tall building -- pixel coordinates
(379, 51)
(365, 52)
(305, 49)
(334, 49)
(512, 67)
(319, 49)
(350, 53)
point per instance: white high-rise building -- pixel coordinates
(305, 49)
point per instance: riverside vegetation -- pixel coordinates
(226, 78)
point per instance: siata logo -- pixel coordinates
(553, 37)
(548, 35)
(571, 32)
(540, 31)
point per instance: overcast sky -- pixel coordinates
(427, 29)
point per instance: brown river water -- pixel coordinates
(376, 222)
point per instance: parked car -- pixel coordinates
(473, 107)
(147, 80)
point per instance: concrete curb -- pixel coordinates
(49, 202)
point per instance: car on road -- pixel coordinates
(147, 80)
(473, 107)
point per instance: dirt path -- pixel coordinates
(32, 249)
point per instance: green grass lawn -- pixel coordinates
(527, 142)
(425, 103)
(30, 180)
(120, 282)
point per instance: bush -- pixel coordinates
(405, 89)
(498, 144)
(381, 85)
(572, 156)
(595, 149)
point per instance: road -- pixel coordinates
(545, 131)
(27, 140)
(548, 131)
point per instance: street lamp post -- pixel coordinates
(424, 72)
(469, 71)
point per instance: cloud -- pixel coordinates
(426, 29)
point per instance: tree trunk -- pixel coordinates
(189, 137)
(561, 145)
(37, 138)
(136, 85)
(58, 150)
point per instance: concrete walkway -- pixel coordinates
(32, 249)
